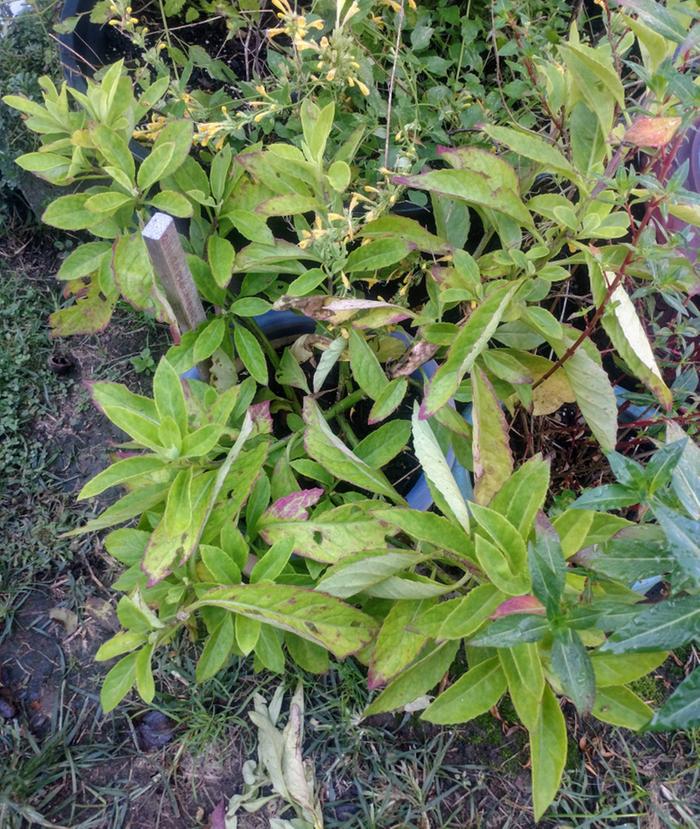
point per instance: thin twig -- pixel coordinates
(392, 78)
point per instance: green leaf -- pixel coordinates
(356, 573)
(662, 626)
(377, 254)
(619, 669)
(153, 168)
(682, 709)
(472, 187)
(472, 694)
(143, 673)
(471, 340)
(523, 494)
(115, 149)
(683, 535)
(504, 535)
(547, 566)
(322, 619)
(383, 444)
(306, 283)
(523, 671)
(108, 202)
(398, 644)
(169, 396)
(269, 566)
(134, 414)
(496, 563)
(594, 394)
(121, 472)
(316, 124)
(607, 496)
(216, 650)
(461, 617)
(209, 339)
(388, 400)
(685, 478)
(508, 631)
(251, 225)
(122, 642)
(365, 366)
(392, 226)
(416, 680)
(429, 527)
(339, 175)
(323, 446)
(247, 633)
(219, 172)
(118, 682)
(330, 537)
(69, 213)
(290, 373)
(84, 260)
(250, 306)
(221, 566)
(547, 752)
(572, 665)
(132, 504)
(308, 656)
(636, 552)
(202, 440)
(176, 536)
(288, 204)
(172, 202)
(179, 133)
(532, 146)
(221, 256)
(437, 470)
(620, 706)
(250, 351)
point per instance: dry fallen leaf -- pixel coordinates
(67, 618)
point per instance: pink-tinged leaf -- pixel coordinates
(217, 819)
(651, 132)
(293, 507)
(519, 604)
(261, 417)
(419, 353)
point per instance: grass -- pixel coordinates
(33, 512)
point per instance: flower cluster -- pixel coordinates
(295, 26)
(338, 61)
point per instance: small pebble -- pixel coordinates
(7, 711)
(155, 730)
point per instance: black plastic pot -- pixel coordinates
(86, 48)
(282, 326)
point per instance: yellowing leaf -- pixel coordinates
(493, 461)
(548, 752)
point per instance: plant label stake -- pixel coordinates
(169, 263)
